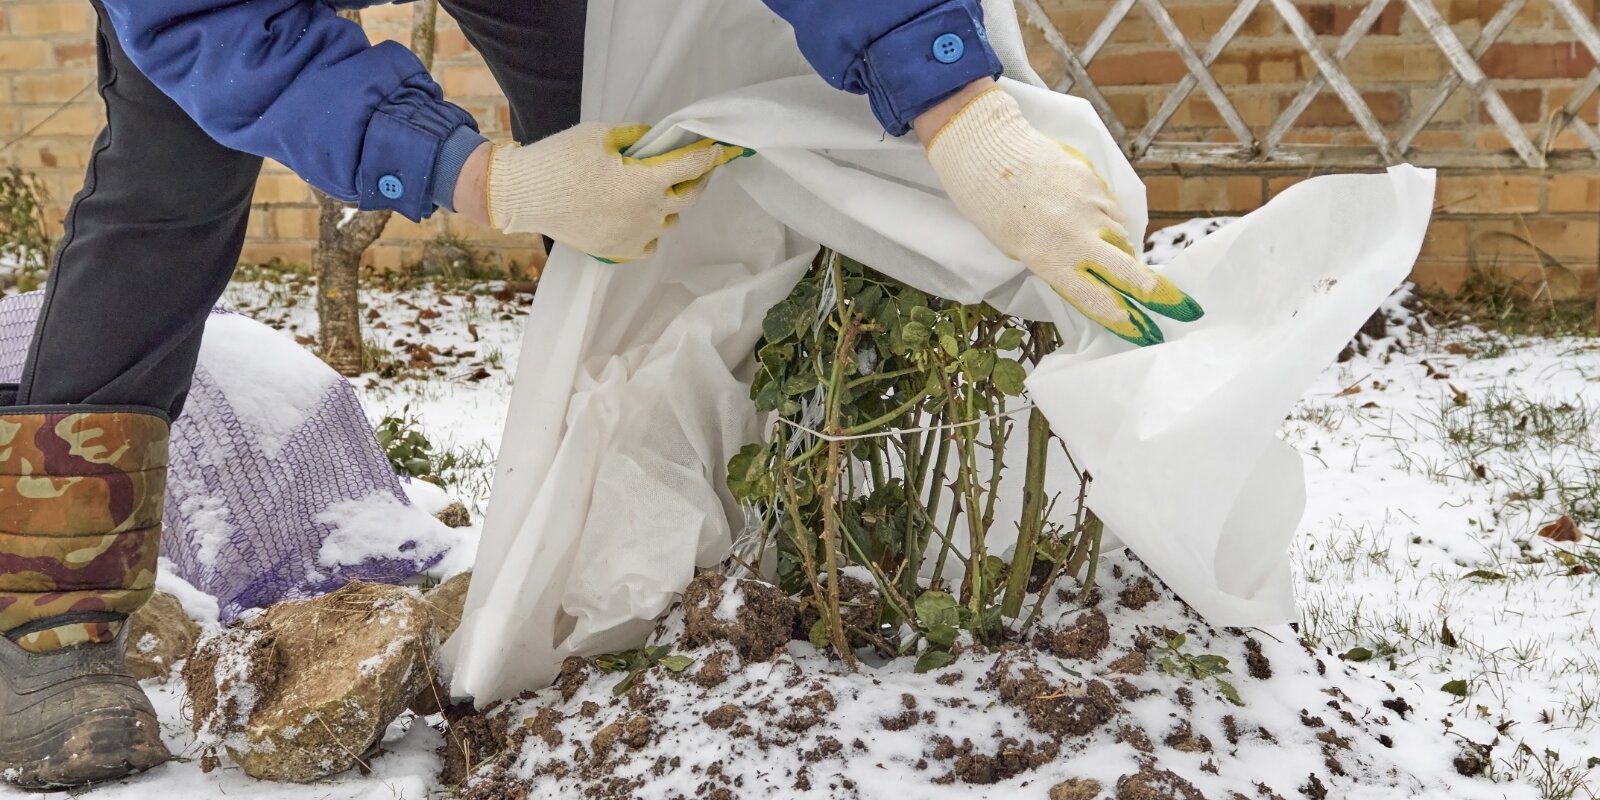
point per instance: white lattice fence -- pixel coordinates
(1384, 146)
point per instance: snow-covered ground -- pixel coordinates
(1429, 473)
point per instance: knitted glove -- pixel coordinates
(1043, 203)
(578, 188)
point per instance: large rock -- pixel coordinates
(160, 635)
(342, 667)
(446, 603)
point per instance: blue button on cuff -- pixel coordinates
(949, 48)
(391, 187)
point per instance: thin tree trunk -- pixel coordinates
(342, 238)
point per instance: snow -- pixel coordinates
(426, 496)
(379, 526)
(281, 388)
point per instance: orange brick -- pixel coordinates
(77, 54)
(1436, 139)
(1328, 19)
(18, 54)
(51, 87)
(296, 223)
(1277, 185)
(1161, 192)
(1077, 24)
(1137, 69)
(1528, 60)
(1448, 239)
(282, 188)
(1133, 108)
(1439, 274)
(81, 119)
(1573, 192)
(469, 81)
(401, 228)
(1487, 194)
(1573, 240)
(452, 43)
(34, 19)
(1527, 105)
(1200, 23)
(1328, 110)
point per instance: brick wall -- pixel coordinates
(1510, 219)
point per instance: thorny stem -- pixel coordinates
(1033, 508)
(843, 355)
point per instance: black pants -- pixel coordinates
(154, 236)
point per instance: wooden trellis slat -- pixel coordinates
(1315, 85)
(1077, 69)
(1198, 66)
(1336, 79)
(1449, 83)
(1465, 72)
(1473, 75)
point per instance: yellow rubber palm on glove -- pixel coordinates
(580, 188)
(1043, 203)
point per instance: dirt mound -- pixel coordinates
(1133, 698)
(306, 689)
(755, 617)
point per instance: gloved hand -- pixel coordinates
(578, 188)
(1043, 203)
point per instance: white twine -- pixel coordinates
(898, 431)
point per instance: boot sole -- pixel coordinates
(96, 759)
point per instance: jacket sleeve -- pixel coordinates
(905, 55)
(291, 80)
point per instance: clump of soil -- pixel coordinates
(470, 739)
(1083, 639)
(1057, 709)
(1138, 594)
(1076, 789)
(1150, 783)
(757, 619)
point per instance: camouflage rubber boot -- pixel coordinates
(80, 529)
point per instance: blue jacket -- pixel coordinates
(290, 80)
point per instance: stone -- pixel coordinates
(343, 666)
(160, 635)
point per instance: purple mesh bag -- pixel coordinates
(277, 487)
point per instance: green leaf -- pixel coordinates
(781, 320)
(1447, 637)
(915, 334)
(626, 684)
(1229, 692)
(1456, 687)
(1485, 575)
(820, 635)
(800, 384)
(1177, 641)
(979, 364)
(920, 313)
(993, 568)
(866, 303)
(1357, 654)
(1010, 339)
(769, 397)
(677, 663)
(934, 659)
(937, 608)
(952, 348)
(1010, 377)
(941, 634)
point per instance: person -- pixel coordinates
(197, 92)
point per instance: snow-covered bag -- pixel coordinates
(276, 485)
(632, 390)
